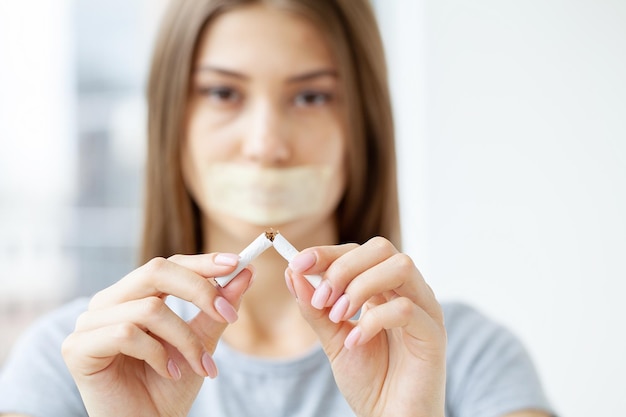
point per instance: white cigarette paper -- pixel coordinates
(257, 247)
(254, 249)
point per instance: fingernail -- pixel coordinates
(339, 309)
(290, 285)
(353, 338)
(250, 282)
(226, 259)
(252, 277)
(321, 295)
(225, 309)
(209, 365)
(173, 369)
(252, 271)
(303, 261)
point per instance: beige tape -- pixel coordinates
(267, 196)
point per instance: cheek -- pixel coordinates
(338, 159)
(322, 143)
(338, 185)
(191, 176)
(206, 142)
(334, 157)
(195, 154)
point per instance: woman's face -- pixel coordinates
(266, 132)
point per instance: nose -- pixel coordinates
(265, 138)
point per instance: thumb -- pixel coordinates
(226, 302)
(331, 335)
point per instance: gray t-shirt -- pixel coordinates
(489, 374)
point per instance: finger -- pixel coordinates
(317, 259)
(157, 277)
(87, 353)
(340, 271)
(240, 284)
(160, 277)
(154, 316)
(210, 330)
(395, 276)
(205, 265)
(208, 265)
(331, 334)
(399, 313)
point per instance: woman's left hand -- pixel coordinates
(391, 361)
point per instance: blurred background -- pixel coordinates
(511, 120)
(72, 75)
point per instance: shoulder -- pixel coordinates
(59, 322)
(42, 340)
(463, 322)
(468, 327)
(34, 379)
(459, 314)
(488, 367)
(474, 339)
(48, 331)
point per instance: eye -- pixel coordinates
(312, 98)
(220, 94)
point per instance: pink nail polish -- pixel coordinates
(321, 295)
(225, 309)
(226, 259)
(290, 285)
(173, 370)
(209, 365)
(253, 272)
(353, 338)
(302, 261)
(339, 309)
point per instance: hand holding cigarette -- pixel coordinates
(258, 246)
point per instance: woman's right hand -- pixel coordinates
(130, 355)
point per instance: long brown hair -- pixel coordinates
(370, 204)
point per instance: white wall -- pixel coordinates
(71, 149)
(37, 138)
(512, 121)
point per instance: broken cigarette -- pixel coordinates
(257, 247)
(254, 249)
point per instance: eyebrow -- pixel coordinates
(324, 72)
(312, 75)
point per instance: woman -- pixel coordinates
(271, 113)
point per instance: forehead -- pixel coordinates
(258, 37)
